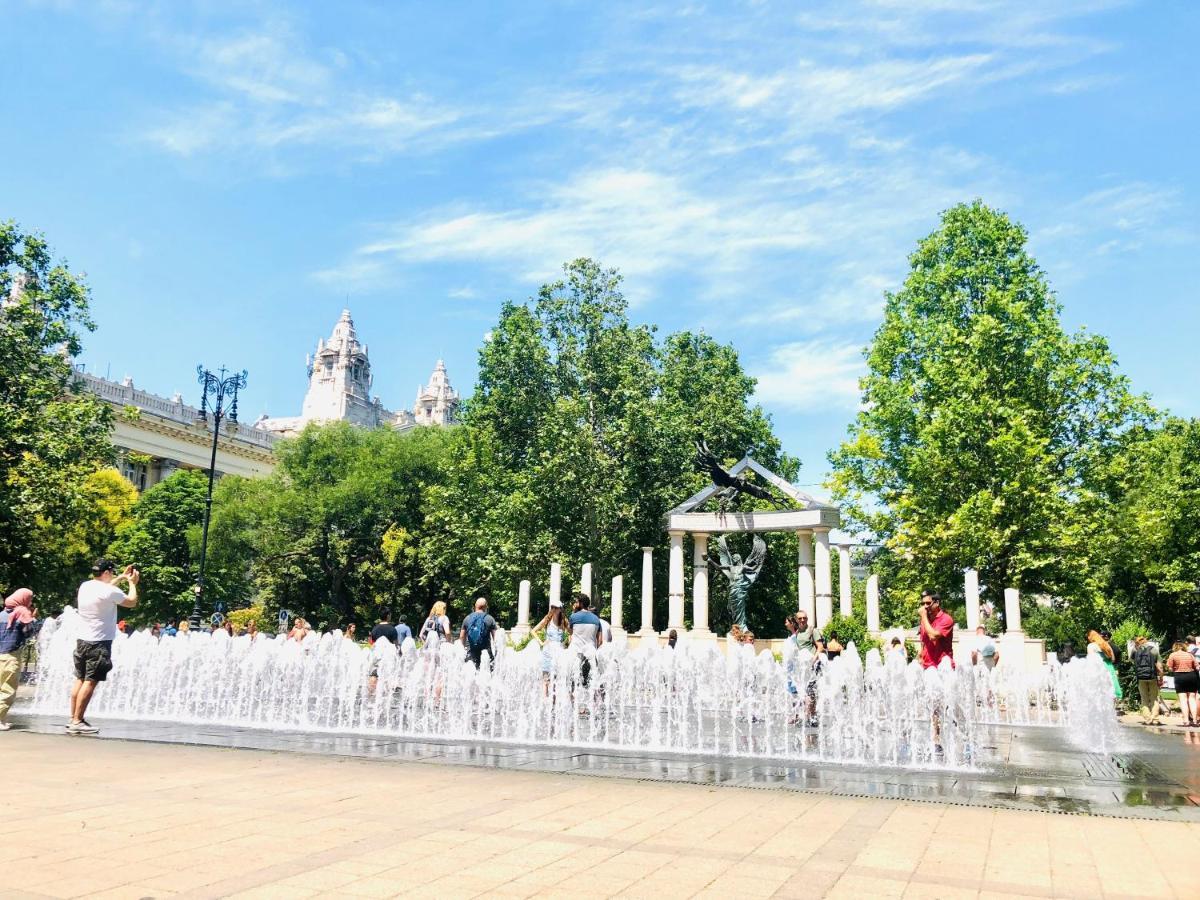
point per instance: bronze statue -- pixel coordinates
(731, 485)
(741, 575)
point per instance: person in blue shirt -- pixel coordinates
(586, 633)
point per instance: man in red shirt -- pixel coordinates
(937, 643)
(937, 632)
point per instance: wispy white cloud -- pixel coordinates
(813, 94)
(270, 91)
(1116, 219)
(810, 376)
(645, 222)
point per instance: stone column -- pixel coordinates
(873, 604)
(806, 602)
(585, 582)
(647, 592)
(824, 577)
(700, 585)
(522, 628)
(1012, 642)
(675, 582)
(971, 589)
(1012, 610)
(845, 601)
(617, 616)
(555, 582)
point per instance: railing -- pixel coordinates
(127, 395)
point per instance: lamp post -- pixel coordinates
(215, 389)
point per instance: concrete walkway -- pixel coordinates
(107, 818)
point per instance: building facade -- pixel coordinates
(339, 390)
(156, 436)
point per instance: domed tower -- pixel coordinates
(437, 402)
(339, 379)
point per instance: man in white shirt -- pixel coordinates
(97, 600)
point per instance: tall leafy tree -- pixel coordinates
(333, 533)
(986, 429)
(1155, 549)
(52, 434)
(579, 438)
(67, 549)
(158, 540)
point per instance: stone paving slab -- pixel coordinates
(99, 817)
(1151, 776)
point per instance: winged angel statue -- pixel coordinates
(741, 574)
(729, 486)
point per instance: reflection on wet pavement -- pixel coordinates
(1149, 776)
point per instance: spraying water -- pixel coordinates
(691, 699)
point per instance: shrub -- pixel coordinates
(851, 629)
(242, 617)
(1056, 626)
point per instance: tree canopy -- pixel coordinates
(578, 440)
(1155, 546)
(159, 540)
(52, 434)
(334, 532)
(987, 431)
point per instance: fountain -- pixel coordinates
(693, 699)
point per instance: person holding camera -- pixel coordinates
(97, 600)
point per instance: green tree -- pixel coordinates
(1155, 549)
(986, 431)
(332, 533)
(579, 438)
(161, 539)
(52, 434)
(106, 502)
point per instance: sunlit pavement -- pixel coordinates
(1147, 774)
(159, 816)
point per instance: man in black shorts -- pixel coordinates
(97, 600)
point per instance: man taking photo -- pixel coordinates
(98, 599)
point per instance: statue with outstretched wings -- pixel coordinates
(741, 574)
(730, 485)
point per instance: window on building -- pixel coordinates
(134, 472)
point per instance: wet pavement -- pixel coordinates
(1150, 775)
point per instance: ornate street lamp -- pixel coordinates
(215, 390)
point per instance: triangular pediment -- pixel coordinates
(803, 500)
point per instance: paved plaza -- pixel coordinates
(107, 817)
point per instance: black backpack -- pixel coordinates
(1143, 663)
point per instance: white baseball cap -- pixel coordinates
(556, 602)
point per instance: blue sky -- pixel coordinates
(229, 175)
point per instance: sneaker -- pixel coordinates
(82, 728)
(4, 726)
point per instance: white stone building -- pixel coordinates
(339, 389)
(437, 402)
(155, 436)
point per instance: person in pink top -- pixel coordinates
(936, 631)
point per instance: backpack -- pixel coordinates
(1143, 663)
(478, 632)
(432, 626)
